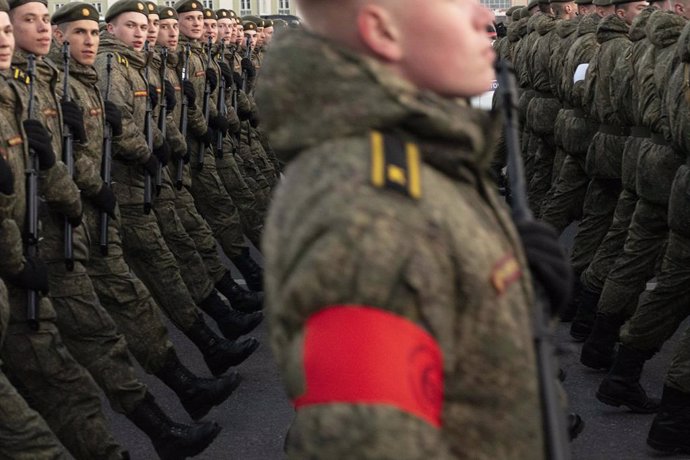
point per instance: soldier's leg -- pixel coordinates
(262, 161)
(61, 390)
(540, 182)
(565, 204)
(270, 153)
(250, 170)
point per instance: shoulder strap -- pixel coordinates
(395, 164)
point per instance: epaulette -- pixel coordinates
(19, 75)
(121, 60)
(395, 165)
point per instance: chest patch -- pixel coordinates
(505, 272)
(15, 140)
(141, 93)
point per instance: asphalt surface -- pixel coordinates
(256, 417)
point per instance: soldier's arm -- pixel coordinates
(195, 117)
(60, 191)
(177, 142)
(11, 255)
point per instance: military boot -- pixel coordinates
(240, 299)
(575, 426)
(621, 387)
(197, 395)
(670, 431)
(568, 313)
(232, 323)
(599, 348)
(219, 354)
(586, 312)
(172, 441)
(250, 270)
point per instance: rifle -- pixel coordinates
(245, 82)
(31, 201)
(235, 93)
(207, 99)
(107, 161)
(184, 105)
(148, 129)
(222, 109)
(162, 115)
(67, 156)
(553, 415)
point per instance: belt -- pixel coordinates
(640, 131)
(659, 139)
(579, 113)
(544, 95)
(614, 130)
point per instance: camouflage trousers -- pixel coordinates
(127, 300)
(216, 206)
(270, 153)
(541, 179)
(91, 336)
(662, 311)
(149, 256)
(564, 205)
(24, 435)
(61, 390)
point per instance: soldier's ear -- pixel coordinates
(379, 31)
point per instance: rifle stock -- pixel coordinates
(148, 130)
(32, 201)
(162, 115)
(184, 121)
(106, 161)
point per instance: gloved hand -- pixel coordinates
(151, 165)
(162, 152)
(254, 119)
(548, 262)
(73, 117)
(39, 140)
(226, 71)
(189, 92)
(170, 99)
(187, 157)
(153, 96)
(208, 137)
(113, 116)
(211, 79)
(105, 200)
(237, 78)
(248, 67)
(6, 178)
(219, 123)
(34, 276)
(75, 221)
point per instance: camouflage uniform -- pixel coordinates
(328, 217)
(61, 390)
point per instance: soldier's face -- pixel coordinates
(192, 24)
(32, 30)
(169, 34)
(629, 11)
(6, 41)
(604, 11)
(260, 36)
(253, 35)
(210, 29)
(268, 35)
(154, 26)
(664, 6)
(83, 40)
(239, 35)
(225, 29)
(131, 28)
(583, 10)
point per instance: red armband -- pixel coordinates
(364, 355)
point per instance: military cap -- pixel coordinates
(532, 4)
(223, 14)
(583, 2)
(511, 10)
(268, 23)
(185, 6)
(4, 6)
(620, 2)
(524, 13)
(210, 14)
(125, 6)
(151, 8)
(167, 12)
(516, 14)
(602, 2)
(279, 24)
(15, 3)
(543, 2)
(249, 26)
(250, 18)
(78, 11)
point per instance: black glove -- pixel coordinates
(74, 221)
(237, 78)
(254, 119)
(226, 71)
(187, 157)
(162, 152)
(39, 140)
(208, 138)
(248, 67)
(548, 262)
(189, 92)
(219, 123)
(151, 165)
(73, 117)
(153, 96)
(170, 99)
(6, 178)
(34, 276)
(211, 79)
(113, 116)
(105, 200)
(501, 30)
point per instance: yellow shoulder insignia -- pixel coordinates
(395, 165)
(122, 60)
(19, 75)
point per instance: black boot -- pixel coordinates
(219, 353)
(598, 350)
(586, 312)
(670, 431)
(171, 440)
(240, 299)
(251, 272)
(197, 395)
(568, 313)
(231, 323)
(621, 387)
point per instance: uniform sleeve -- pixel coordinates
(177, 143)
(11, 255)
(6, 205)
(195, 118)
(87, 174)
(60, 191)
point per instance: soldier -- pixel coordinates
(387, 218)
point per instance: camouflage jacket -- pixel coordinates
(677, 96)
(524, 49)
(516, 31)
(581, 52)
(567, 32)
(538, 58)
(640, 46)
(446, 259)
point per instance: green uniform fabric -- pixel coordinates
(656, 168)
(327, 218)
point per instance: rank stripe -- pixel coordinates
(377, 159)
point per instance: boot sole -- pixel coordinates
(220, 369)
(595, 361)
(615, 402)
(234, 335)
(667, 448)
(181, 453)
(222, 397)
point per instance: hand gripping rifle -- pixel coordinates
(148, 129)
(107, 161)
(31, 201)
(162, 115)
(67, 155)
(220, 105)
(207, 99)
(184, 118)
(553, 415)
